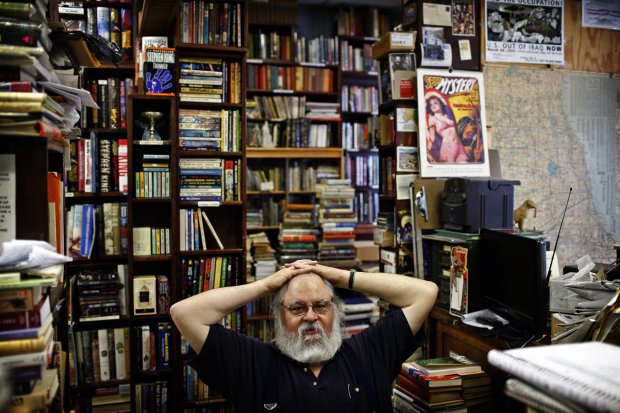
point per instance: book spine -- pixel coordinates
(120, 354)
(104, 356)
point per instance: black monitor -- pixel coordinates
(514, 280)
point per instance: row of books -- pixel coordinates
(363, 169)
(303, 176)
(105, 399)
(359, 135)
(210, 130)
(153, 181)
(363, 99)
(195, 389)
(98, 164)
(267, 178)
(98, 355)
(152, 346)
(206, 273)
(151, 241)
(356, 59)
(194, 226)
(276, 107)
(211, 23)
(359, 313)
(367, 206)
(111, 95)
(152, 397)
(272, 45)
(209, 179)
(297, 78)
(205, 79)
(363, 22)
(96, 229)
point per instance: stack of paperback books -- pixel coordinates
(453, 384)
(298, 233)
(338, 220)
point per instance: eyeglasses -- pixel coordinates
(299, 309)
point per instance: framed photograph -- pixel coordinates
(405, 120)
(451, 124)
(407, 159)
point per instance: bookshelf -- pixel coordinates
(209, 201)
(32, 165)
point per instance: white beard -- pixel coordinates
(316, 348)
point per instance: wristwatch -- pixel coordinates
(352, 272)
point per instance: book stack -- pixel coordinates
(201, 179)
(26, 42)
(436, 384)
(337, 220)
(29, 287)
(383, 234)
(97, 291)
(298, 233)
(154, 179)
(29, 113)
(111, 95)
(108, 399)
(202, 79)
(264, 261)
(358, 314)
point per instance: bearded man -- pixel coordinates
(309, 367)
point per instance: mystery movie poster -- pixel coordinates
(452, 124)
(525, 31)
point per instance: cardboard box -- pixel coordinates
(393, 42)
(366, 251)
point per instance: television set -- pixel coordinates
(513, 281)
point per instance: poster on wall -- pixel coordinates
(602, 14)
(451, 124)
(523, 31)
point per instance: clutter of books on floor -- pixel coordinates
(447, 384)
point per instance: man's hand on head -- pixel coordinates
(288, 271)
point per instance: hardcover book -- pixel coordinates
(145, 295)
(158, 71)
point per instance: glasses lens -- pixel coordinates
(320, 307)
(298, 309)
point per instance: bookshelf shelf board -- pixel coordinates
(323, 120)
(221, 51)
(209, 204)
(152, 143)
(84, 325)
(297, 153)
(105, 130)
(94, 195)
(215, 105)
(189, 153)
(271, 62)
(361, 39)
(203, 402)
(261, 120)
(151, 200)
(264, 228)
(211, 252)
(152, 258)
(291, 92)
(149, 318)
(390, 197)
(372, 76)
(154, 373)
(259, 193)
(98, 259)
(99, 384)
(358, 114)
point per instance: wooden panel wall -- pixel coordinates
(587, 49)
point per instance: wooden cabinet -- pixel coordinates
(447, 334)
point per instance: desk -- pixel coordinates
(446, 334)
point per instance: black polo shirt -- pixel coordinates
(236, 366)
